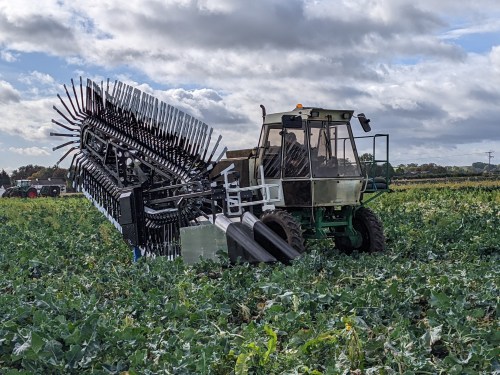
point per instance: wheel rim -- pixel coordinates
(31, 194)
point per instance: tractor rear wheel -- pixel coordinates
(284, 225)
(32, 193)
(368, 225)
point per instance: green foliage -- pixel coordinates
(4, 179)
(22, 173)
(49, 172)
(71, 300)
(256, 357)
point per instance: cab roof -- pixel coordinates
(311, 113)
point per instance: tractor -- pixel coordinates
(310, 155)
(22, 189)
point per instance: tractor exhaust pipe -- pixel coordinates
(263, 112)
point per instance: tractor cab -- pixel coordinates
(23, 183)
(312, 153)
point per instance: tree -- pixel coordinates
(42, 174)
(479, 165)
(33, 172)
(25, 171)
(60, 173)
(366, 157)
(4, 178)
(387, 168)
(49, 172)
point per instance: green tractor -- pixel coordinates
(22, 189)
(310, 156)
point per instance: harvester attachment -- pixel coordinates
(143, 163)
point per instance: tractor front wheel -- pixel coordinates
(15, 193)
(284, 225)
(369, 227)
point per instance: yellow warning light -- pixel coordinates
(299, 105)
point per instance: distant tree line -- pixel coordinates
(432, 170)
(427, 170)
(406, 171)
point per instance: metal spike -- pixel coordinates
(215, 148)
(64, 144)
(77, 114)
(81, 94)
(66, 154)
(76, 97)
(205, 148)
(221, 155)
(64, 135)
(63, 116)
(64, 126)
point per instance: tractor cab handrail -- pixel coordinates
(378, 180)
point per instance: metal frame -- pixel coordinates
(234, 198)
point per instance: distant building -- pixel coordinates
(61, 182)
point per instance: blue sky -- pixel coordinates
(428, 74)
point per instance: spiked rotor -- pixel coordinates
(144, 163)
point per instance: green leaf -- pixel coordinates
(432, 336)
(73, 338)
(139, 357)
(439, 299)
(242, 367)
(73, 356)
(36, 342)
(271, 344)
(53, 349)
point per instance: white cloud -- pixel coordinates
(39, 85)
(37, 78)
(8, 56)
(397, 61)
(495, 59)
(490, 26)
(29, 119)
(30, 151)
(8, 94)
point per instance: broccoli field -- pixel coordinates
(72, 300)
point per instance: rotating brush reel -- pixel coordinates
(142, 162)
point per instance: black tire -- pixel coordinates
(284, 225)
(55, 191)
(370, 227)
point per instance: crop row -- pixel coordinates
(72, 301)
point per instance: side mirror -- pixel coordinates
(365, 122)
